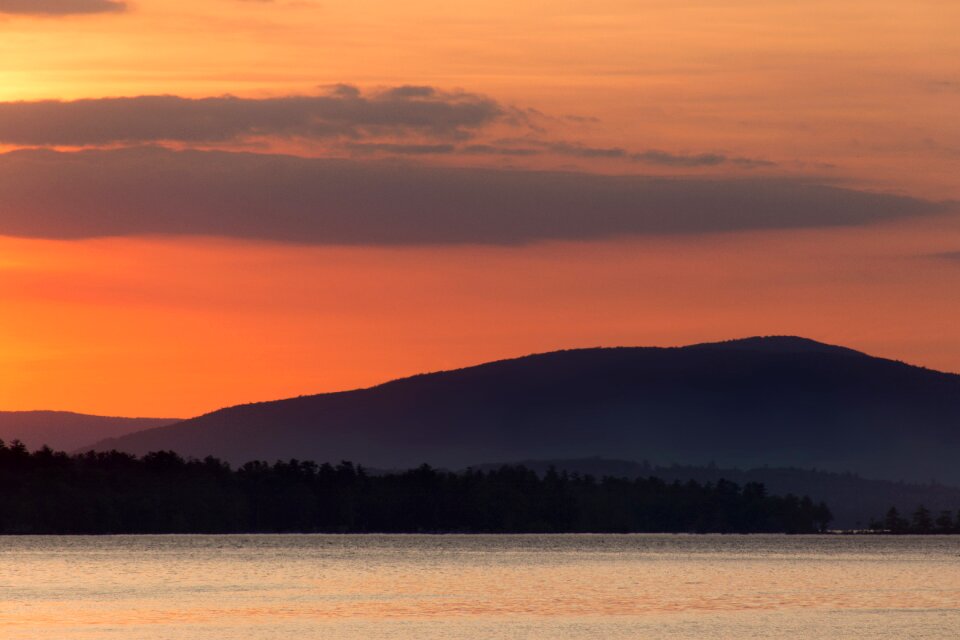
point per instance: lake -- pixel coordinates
(499, 587)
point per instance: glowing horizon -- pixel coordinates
(177, 237)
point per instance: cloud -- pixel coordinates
(675, 160)
(944, 85)
(583, 151)
(401, 149)
(497, 150)
(655, 156)
(342, 111)
(61, 7)
(576, 150)
(137, 191)
(403, 120)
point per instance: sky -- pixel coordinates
(212, 202)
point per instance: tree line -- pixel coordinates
(47, 492)
(922, 521)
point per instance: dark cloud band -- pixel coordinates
(404, 120)
(61, 7)
(341, 112)
(651, 157)
(139, 191)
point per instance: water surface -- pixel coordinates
(459, 587)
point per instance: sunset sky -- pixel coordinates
(210, 202)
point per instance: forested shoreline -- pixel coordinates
(47, 492)
(921, 522)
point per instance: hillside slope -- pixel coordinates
(780, 401)
(62, 430)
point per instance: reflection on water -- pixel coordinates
(459, 587)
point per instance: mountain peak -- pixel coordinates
(776, 344)
(772, 400)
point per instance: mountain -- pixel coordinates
(853, 500)
(775, 401)
(64, 431)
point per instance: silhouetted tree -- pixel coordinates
(945, 522)
(922, 521)
(893, 523)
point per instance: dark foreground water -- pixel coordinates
(458, 587)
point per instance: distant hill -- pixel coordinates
(773, 401)
(852, 499)
(66, 431)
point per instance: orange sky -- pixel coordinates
(850, 93)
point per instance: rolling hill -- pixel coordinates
(63, 430)
(775, 401)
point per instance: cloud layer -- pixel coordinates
(341, 112)
(539, 147)
(61, 7)
(138, 191)
(402, 120)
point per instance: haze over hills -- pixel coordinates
(776, 401)
(63, 430)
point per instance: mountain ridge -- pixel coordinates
(779, 400)
(69, 430)
(734, 342)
